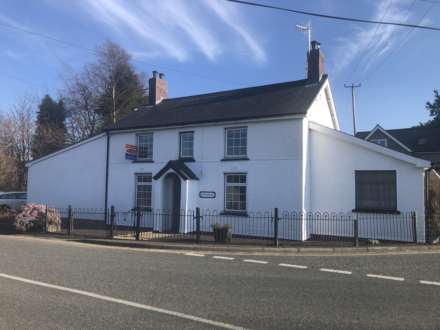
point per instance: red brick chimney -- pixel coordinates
(157, 88)
(315, 63)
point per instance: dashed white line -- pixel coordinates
(255, 261)
(337, 271)
(194, 254)
(293, 266)
(123, 302)
(430, 283)
(384, 277)
(222, 258)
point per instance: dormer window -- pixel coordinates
(381, 142)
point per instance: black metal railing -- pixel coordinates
(258, 228)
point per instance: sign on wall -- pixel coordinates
(207, 194)
(130, 152)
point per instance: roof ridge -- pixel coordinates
(250, 88)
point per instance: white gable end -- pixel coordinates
(322, 110)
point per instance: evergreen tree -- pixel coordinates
(434, 111)
(50, 127)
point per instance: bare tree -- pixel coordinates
(16, 131)
(81, 98)
(102, 93)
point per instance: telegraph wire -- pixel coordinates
(341, 18)
(407, 38)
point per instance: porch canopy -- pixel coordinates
(180, 168)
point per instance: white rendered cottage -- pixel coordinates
(237, 151)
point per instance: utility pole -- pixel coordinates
(353, 103)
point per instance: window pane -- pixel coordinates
(376, 190)
(235, 192)
(236, 142)
(187, 144)
(145, 146)
(143, 190)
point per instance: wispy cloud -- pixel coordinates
(176, 28)
(231, 17)
(369, 44)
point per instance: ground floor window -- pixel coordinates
(235, 192)
(376, 191)
(143, 190)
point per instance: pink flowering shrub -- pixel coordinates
(32, 218)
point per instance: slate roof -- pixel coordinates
(418, 139)
(281, 99)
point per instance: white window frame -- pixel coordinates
(382, 142)
(138, 136)
(137, 184)
(226, 184)
(238, 156)
(181, 134)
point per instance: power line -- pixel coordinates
(341, 18)
(407, 38)
(93, 51)
(370, 43)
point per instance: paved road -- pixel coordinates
(48, 284)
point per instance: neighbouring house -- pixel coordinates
(237, 151)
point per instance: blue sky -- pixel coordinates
(210, 45)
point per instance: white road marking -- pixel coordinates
(124, 302)
(293, 266)
(255, 261)
(430, 283)
(194, 254)
(223, 258)
(329, 270)
(392, 278)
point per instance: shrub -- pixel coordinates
(6, 212)
(32, 218)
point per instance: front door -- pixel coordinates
(172, 201)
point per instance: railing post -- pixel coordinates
(198, 224)
(275, 227)
(46, 221)
(414, 225)
(138, 223)
(112, 221)
(69, 220)
(356, 231)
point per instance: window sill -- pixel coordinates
(187, 159)
(235, 213)
(229, 159)
(377, 211)
(143, 161)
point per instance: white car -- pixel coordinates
(13, 199)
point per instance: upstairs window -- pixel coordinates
(145, 146)
(235, 192)
(381, 142)
(236, 142)
(186, 145)
(376, 191)
(143, 190)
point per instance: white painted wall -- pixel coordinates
(333, 163)
(274, 167)
(75, 176)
